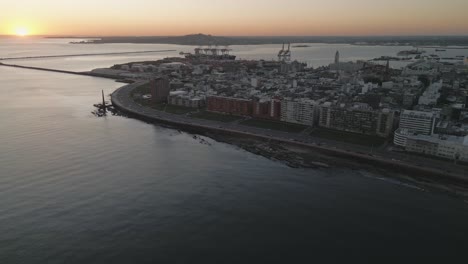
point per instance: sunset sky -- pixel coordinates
(234, 17)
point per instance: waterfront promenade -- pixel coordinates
(391, 161)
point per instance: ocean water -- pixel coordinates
(315, 55)
(75, 188)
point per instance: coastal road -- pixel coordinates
(122, 99)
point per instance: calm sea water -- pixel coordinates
(79, 189)
(315, 55)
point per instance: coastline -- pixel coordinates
(204, 39)
(325, 156)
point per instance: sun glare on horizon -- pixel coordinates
(21, 31)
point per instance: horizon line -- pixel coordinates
(233, 36)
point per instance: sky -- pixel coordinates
(234, 17)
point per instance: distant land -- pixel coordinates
(202, 39)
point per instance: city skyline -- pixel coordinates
(239, 18)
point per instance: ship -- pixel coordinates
(411, 52)
(210, 53)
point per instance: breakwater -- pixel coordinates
(85, 54)
(62, 71)
(121, 99)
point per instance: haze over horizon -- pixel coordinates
(234, 18)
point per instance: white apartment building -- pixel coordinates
(443, 146)
(298, 112)
(417, 122)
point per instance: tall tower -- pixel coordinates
(337, 57)
(159, 88)
(386, 74)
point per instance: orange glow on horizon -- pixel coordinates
(234, 18)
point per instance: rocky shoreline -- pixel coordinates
(305, 158)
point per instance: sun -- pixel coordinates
(21, 31)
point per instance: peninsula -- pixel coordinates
(308, 117)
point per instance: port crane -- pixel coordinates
(285, 55)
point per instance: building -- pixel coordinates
(159, 88)
(442, 146)
(421, 145)
(387, 85)
(366, 87)
(417, 122)
(400, 137)
(181, 98)
(421, 67)
(409, 100)
(298, 112)
(229, 105)
(291, 67)
(337, 57)
(413, 123)
(267, 109)
(349, 66)
(431, 95)
(355, 120)
(254, 82)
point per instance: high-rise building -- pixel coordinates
(337, 57)
(417, 122)
(362, 121)
(160, 89)
(414, 123)
(299, 112)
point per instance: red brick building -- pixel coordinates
(270, 109)
(229, 105)
(159, 88)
